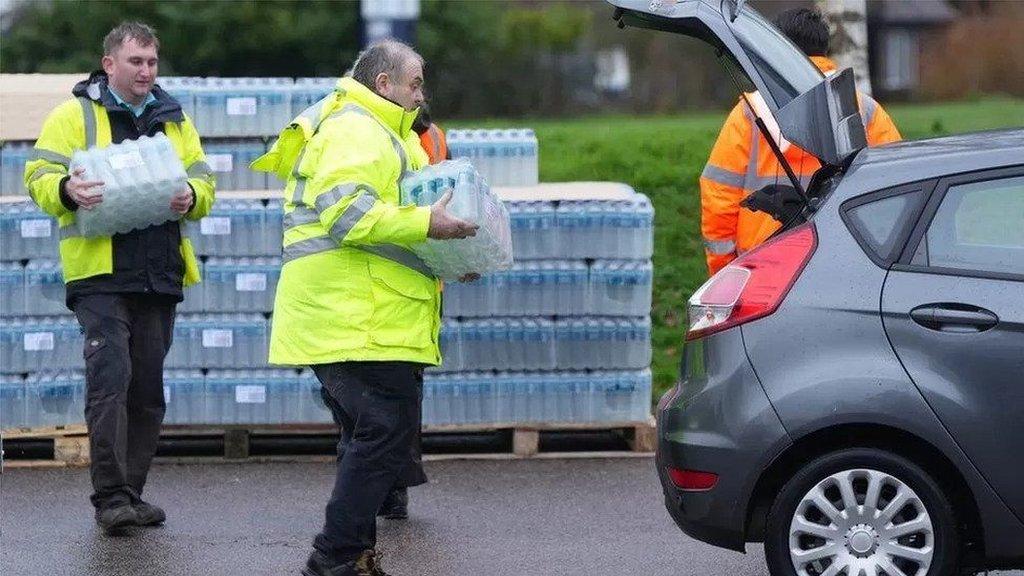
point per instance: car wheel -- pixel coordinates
(861, 512)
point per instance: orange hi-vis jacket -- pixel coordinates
(435, 143)
(742, 162)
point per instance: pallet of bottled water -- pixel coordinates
(472, 200)
(140, 177)
(505, 157)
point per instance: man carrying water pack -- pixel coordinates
(353, 301)
(123, 288)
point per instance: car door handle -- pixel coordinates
(954, 317)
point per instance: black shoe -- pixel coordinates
(115, 519)
(396, 505)
(319, 564)
(149, 515)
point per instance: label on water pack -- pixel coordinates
(126, 160)
(215, 226)
(250, 394)
(38, 341)
(167, 394)
(220, 162)
(217, 338)
(251, 282)
(241, 106)
(36, 229)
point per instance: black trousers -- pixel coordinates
(127, 337)
(414, 474)
(378, 406)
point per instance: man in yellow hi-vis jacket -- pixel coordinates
(353, 301)
(123, 288)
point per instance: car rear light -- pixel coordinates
(752, 286)
(692, 480)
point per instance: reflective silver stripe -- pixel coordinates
(781, 178)
(331, 197)
(300, 181)
(720, 247)
(399, 255)
(723, 176)
(44, 170)
(307, 247)
(300, 216)
(353, 213)
(199, 169)
(868, 107)
(89, 117)
(40, 154)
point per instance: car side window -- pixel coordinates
(979, 226)
(879, 224)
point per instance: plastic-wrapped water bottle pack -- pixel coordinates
(13, 157)
(218, 341)
(139, 179)
(472, 200)
(29, 343)
(240, 284)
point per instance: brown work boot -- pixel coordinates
(367, 564)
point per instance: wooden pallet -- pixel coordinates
(71, 443)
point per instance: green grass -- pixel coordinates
(662, 158)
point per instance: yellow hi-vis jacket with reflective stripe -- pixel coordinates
(79, 124)
(350, 288)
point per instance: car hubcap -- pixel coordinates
(861, 523)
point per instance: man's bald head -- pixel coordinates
(393, 70)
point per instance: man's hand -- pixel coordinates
(444, 226)
(182, 200)
(86, 193)
(471, 277)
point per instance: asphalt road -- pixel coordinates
(590, 517)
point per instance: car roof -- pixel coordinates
(913, 160)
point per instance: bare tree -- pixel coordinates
(849, 26)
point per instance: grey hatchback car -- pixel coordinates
(852, 391)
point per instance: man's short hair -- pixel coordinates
(386, 56)
(806, 28)
(142, 33)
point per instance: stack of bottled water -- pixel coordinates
(240, 284)
(536, 397)
(55, 398)
(185, 396)
(252, 397)
(139, 179)
(26, 232)
(230, 158)
(44, 288)
(13, 401)
(29, 343)
(12, 289)
(503, 157)
(13, 157)
(183, 89)
(236, 227)
(227, 107)
(218, 341)
(472, 200)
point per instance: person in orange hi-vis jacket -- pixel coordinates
(742, 162)
(431, 137)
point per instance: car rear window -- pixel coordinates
(879, 223)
